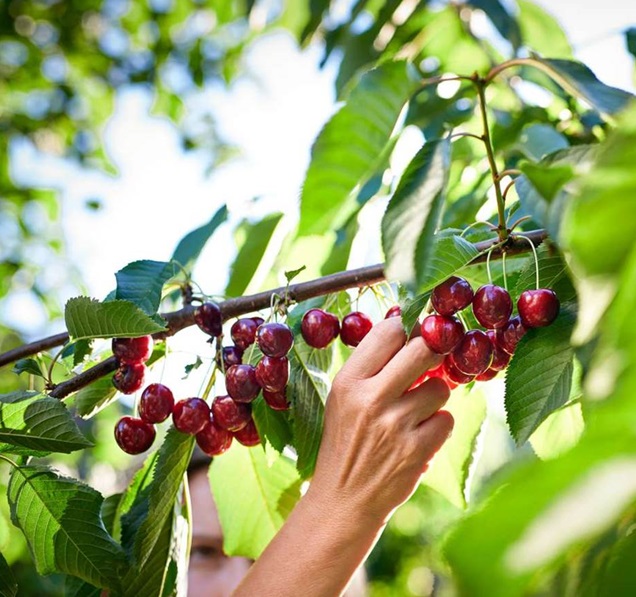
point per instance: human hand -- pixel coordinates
(378, 434)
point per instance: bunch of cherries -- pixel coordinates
(477, 354)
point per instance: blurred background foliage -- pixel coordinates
(62, 63)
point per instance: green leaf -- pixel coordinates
(75, 587)
(191, 245)
(541, 31)
(88, 318)
(450, 254)
(8, 584)
(346, 151)
(307, 389)
(411, 309)
(553, 273)
(95, 397)
(34, 424)
(290, 275)
(272, 425)
(141, 283)
(339, 255)
(448, 472)
(539, 377)
(579, 80)
(501, 19)
(256, 237)
(538, 140)
(413, 214)
(547, 180)
(630, 40)
(243, 481)
(60, 518)
(30, 366)
(559, 432)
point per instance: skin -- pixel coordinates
(378, 437)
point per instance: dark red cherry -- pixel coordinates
(538, 308)
(355, 326)
(190, 415)
(274, 339)
(442, 334)
(129, 377)
(230, 355)
(451, 296)
(241, 383)
(133, 435)
(509, 335)
(276, 400)
(319, 328)
(208, 317)
(243, 332)
(500, 358)
(229, 414)
(272, 373)
(473, 354)
(248, 436)
(453, 373)
(394, 311)
(213, 439)
(258, 320)
(440, 373)
(487, 375)
(132, 350)
(492, 306)
(156, 403)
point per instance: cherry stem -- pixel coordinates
(471, 135)
(503, 267)
(508, 172)
(517, 222)
(477, 223)
(13, 464)
(536, 258)
(508, 187)
(488, 267)
(210, 384)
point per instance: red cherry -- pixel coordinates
(441, 374)
(453, 373)
(156, 403)
(241, 383)
(319, 328)
(274, 339)
(272, 373)
(129, 377)
(394, 311)
(229, 414)
(451, 296)
(190, 415)
(208, 317)
(473, 354)
(230, 355)
(258, 320)
(487, 375)
(276, 400)
(213, 440)
(538, 308)
(133, 435)
(509, 335)
(243, 332)
(355, 326)
(132, 350)
(500, 358)
(442, 334)
(492, 306)
(248, 436)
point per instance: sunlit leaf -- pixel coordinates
(8, 584)
(141, 283)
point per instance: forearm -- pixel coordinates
(316, 552)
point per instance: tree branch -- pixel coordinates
(183, 318)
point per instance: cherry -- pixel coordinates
(453, 373)
(473, 354)
(208, 317)
(156, 403)
(248, 436)
(487, 375)
(355, 326)
(538, 308)
(276, 400)
(213, 439)
(274, 339)
(394, 311)
(133, 435)
(500, 358)
(272, 373)
(258, 320)
(129, 377)
(442, 334)
(241, 383)
(229, 414)
(190, 415)
(509, 335)
(319, 328)
(230, 355)
(441, 374)
(492, 306)
(132, 350)
(451, 296)
(243, 332)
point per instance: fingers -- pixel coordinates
(434, 432)
(425, 400)
(377, 348)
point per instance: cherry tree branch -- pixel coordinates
(183, 318)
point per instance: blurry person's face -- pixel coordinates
(211, 572)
